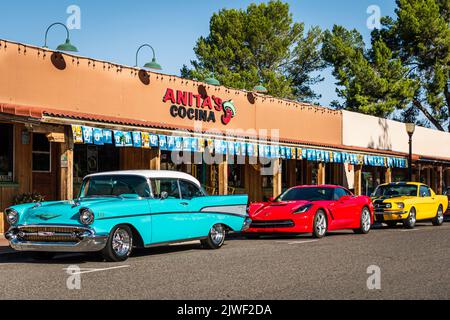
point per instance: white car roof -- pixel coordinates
(150, 174)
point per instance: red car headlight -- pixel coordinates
(303, 209)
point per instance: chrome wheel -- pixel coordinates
(440, 215)
(320, 224)
(121, 242)
(439, 219)
(410, 222)
(217, 235)
(412, 217)
(365, 220)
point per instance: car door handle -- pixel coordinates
(184, 203)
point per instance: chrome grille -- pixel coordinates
(50, 233)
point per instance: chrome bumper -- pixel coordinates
(88, 241)
(390, 212)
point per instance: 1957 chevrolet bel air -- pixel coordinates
(117, 211)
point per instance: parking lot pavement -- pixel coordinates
(412, 265)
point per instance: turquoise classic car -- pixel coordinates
(117, 211)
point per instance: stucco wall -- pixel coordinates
(86, 86)
(361, 130)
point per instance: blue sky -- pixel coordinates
(112, 30)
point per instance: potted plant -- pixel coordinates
(28, 198)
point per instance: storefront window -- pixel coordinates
(6, 153)
(41, 153)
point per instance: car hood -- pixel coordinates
(275, 210)
(62, 212)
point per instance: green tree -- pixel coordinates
(407, 67)
(263, 45)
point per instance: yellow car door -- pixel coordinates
(426, 208)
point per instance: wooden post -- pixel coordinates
(277, 182)
(428, 181)
(155, 159)
(309, 169)
(447, 177)
(66, 167)
(321, 173)
(223, 176)
(440, 177)
(357, 184)
(388, 175)
(253, 181)
(291, 173)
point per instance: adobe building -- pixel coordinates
(64, 116)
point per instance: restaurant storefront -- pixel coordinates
(63, 117)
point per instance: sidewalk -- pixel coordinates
(4, 245)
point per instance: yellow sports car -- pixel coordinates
(408, 202)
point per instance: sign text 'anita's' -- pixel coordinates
(188, 105)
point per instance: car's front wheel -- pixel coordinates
(216, 237)
(410, 222)
(119, 245)
(320, 225)
(439, 219)
(365, 222)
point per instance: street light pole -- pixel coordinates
(410, 128)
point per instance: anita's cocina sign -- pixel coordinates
(187, 105)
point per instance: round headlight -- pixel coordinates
(401, 205)
(86, 216)
(388, 205)
(12, 216)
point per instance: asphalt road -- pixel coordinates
(413, 264)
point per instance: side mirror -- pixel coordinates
(164, 195)
(345, 198)
(271, 199)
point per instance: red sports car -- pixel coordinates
(316, 209)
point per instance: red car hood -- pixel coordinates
(275, 210)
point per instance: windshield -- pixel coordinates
(310, 194)
(396, 190)
(115, 186)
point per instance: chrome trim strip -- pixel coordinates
(165, 243)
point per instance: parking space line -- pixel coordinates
(90, 270)
(298, 242)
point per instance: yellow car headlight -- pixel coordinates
(401, 205)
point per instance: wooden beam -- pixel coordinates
(357, 184)
(223, 176)
(291, 173)
(440, 180)
(253, 181)
(388, 175)
(155, 159)
(321, 173)
(66, 167)
(277, 181)
(309, 169)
